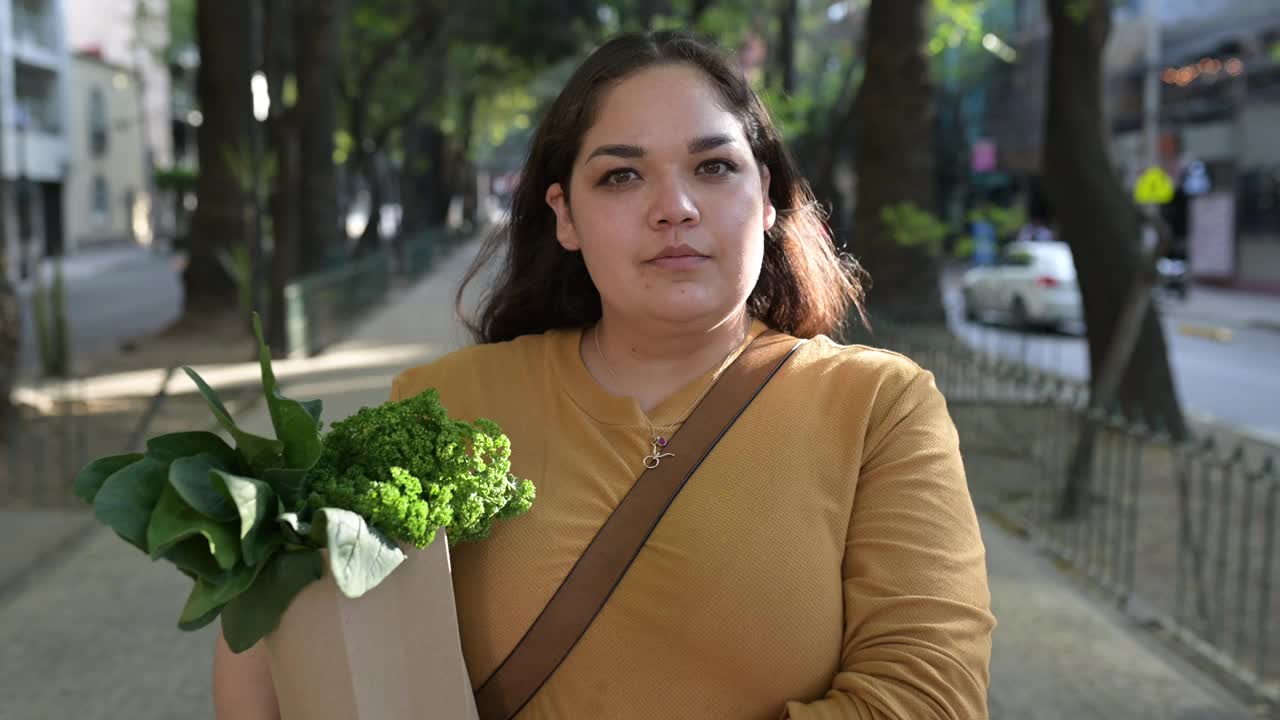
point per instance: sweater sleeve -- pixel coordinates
(917, 627)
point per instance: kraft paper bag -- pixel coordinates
(392, 654)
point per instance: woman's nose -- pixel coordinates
(673, 205)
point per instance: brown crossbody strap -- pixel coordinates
(593, 578)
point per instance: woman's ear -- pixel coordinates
(565, 232)
(770, 212)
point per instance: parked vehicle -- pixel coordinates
(1173, 277)
(1032, 284)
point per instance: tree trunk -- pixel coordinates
(317, 70)
(371, 238)
(222, 88)
(895, 164)
(283, 144)
(787, 19)
(467, 176)
(438, 190)
(413, 175)
(825, 152)
(1096, 216)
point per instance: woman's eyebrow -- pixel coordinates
(708, 142)
(697, 145)
(622, 151)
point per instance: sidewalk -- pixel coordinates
(94, 636)
(91, 262)
(1226, 308)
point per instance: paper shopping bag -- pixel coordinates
(391, 654)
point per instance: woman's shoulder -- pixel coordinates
(475, 367)
(873, 388)
(864, 366)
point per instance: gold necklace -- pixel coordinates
(659, 441)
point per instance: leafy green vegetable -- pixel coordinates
(289, 484)
(208, 598)
(296, 424)
(409, 469)
(128, 496)
(250, 524)
(91, 478)
(261, 453)
(256, 611)
(193, 558)
(185, 444)
(192, 478)
(254, 501)
(174, 520)
(359, 556)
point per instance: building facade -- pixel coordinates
(1218, 121)
(131, 34)
(131, 37)
(108, 174)
(34, 154)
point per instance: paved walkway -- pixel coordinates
(91, 262)
(91, 633)
(1227, 308)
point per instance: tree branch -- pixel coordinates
(385, 51)
(439, 40)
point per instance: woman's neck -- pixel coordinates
(650, 364)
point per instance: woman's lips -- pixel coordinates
(678, 262)
(679, 257)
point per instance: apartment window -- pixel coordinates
(97, 122)
(101, 200)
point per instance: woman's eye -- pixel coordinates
(717, 167)
(618, 177)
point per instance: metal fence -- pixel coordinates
(1182, 535)
(321, 308)
(324, 306)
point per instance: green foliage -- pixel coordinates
(182, 26)
(237, 262)
(235, 521)
(956, 23)
(410, 469)
(177, 179)
(1078, 10)
(249, 173)
(965, 247)
(49, 307)
(1006, 221)
(910, 226)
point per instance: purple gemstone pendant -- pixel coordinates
(661, 441)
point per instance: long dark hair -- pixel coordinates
(806, 288)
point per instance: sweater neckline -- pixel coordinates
(609, 409)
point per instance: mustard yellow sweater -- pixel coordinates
(825, 561)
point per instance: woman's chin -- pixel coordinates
(685, 310)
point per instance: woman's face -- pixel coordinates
(669, 207)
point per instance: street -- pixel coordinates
(112, 296)
(1232, 380)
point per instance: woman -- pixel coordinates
(825, 560)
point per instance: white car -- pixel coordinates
(1033, 284)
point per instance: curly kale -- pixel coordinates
(409, 468)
